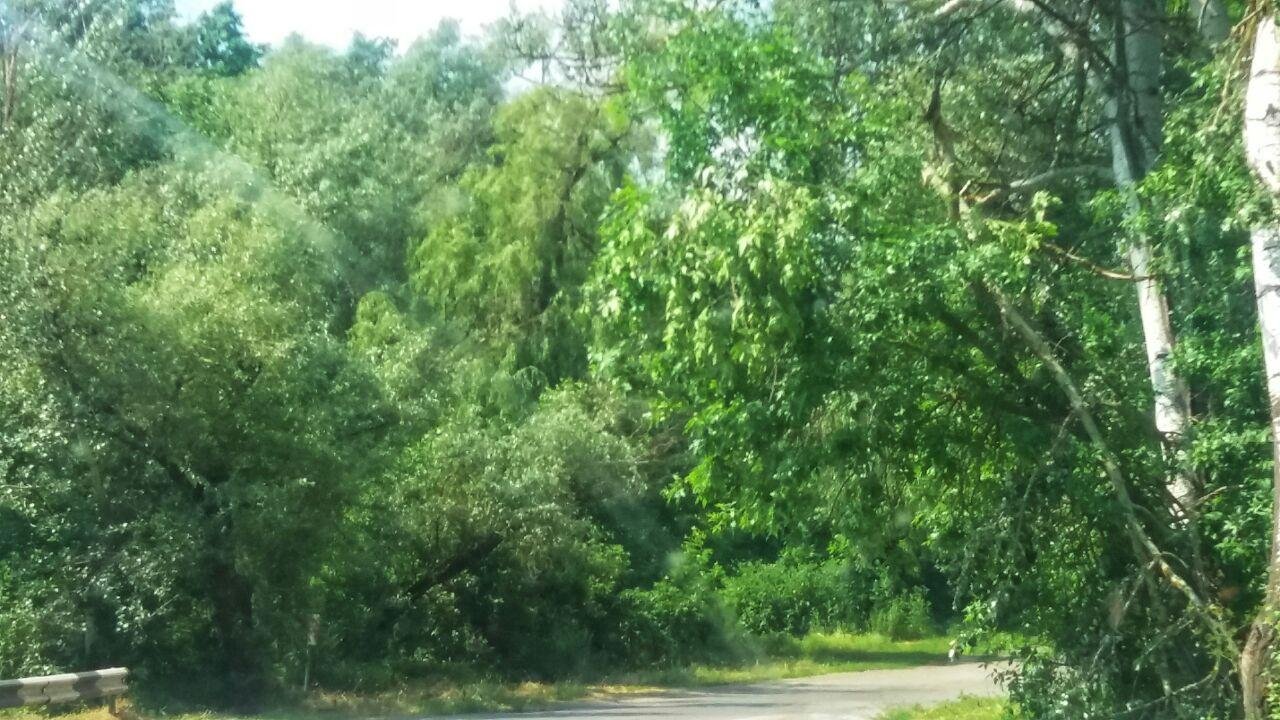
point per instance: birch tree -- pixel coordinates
(1128, 66)
(1135, 111)
(1211, 19)
(1262, 144)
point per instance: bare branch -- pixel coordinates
(949, 8)
(1045, 179)
(1091, 265)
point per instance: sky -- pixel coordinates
(333, 22)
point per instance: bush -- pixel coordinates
(671, 624)
(796, 597)
(905, 617)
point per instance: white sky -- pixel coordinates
(333, 22)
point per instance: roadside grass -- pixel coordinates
(773, 658)
(778, 658)
(968, 708)
(414, 699)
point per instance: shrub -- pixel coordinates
(796, 597)
(671, 624)
(905, 617)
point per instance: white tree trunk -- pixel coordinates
(1211, 19)
(1262, 107)
(1136, 113)
(1262, 144)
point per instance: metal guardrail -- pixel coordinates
(70, 687)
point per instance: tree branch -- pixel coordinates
(1091, 265)
(1045, 179)
(1111, 465)
(435, 577)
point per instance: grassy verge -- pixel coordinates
(815, 654)
(774, 659)
(963, 709)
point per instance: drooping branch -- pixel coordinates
(587, 158)
(1111, 465)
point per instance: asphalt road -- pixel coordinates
(846, 696)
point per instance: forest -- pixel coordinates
(613, 337)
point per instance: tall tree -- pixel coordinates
(1262, 144)
(1135, 102)
(218, 42)
(1211, 19)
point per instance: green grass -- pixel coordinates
(815, 654)
(772, 659)
(963, 709)
(416, 699)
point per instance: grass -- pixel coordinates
(443, 697)
(815, 654)
(963, 709)
(773, 659)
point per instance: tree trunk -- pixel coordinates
(1135, 112)
(1211, 19)
(10, 44)
(239, 664)
(1262, 143)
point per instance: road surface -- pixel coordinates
(843, 696)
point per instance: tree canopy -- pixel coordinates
(608, 336)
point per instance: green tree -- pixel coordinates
(219, 45)
(176, 409)
(508, 255)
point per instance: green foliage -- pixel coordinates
(672, 625)
(797, 597)
(710, 333)
(218, 42)
(174, 391)
(493, 543)
(716, 290)
(904, 617)
(515, 239)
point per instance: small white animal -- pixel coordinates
(954, 652)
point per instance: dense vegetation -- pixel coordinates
(606, 339)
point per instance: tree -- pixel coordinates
(735, 296)
(1262, 137)
(192, 403)
(511, 250)
(219, 45)
(923, 297)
